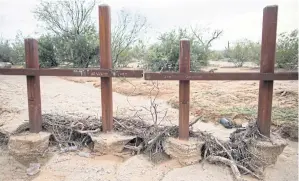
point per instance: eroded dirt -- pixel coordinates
(72, 167)
(213, 99)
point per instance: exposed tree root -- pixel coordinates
(232, 164)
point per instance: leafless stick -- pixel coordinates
(88, 131)
(228, 154)
(195, 121)
(228, 162)
(248, 171)
(135, 148)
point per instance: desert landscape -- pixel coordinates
(80, 100)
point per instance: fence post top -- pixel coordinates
(30, 39)
(104, 6)
(184, 39)
(275, 6)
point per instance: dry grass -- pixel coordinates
(215, 99)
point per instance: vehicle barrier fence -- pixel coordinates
(184, 76)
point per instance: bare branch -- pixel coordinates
(66, 17)
(125, 34)
(206, 43)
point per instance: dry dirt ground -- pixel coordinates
(72, 167)
(214, 99)
(67, 97)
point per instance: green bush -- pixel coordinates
(243, 51)
(287, 50)
(5, 51)
(164, 55)
(47, 57)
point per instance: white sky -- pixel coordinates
(238, 18)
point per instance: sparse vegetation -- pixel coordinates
(283, 115)
(71, 36)
(126, 36)
(46, 50)
(164, 55)
(287, 50)
(174, 103)
(72, 31)
(5, 51)
(280, 115)
(243, 51)
(251, 112)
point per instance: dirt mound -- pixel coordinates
(289, 130)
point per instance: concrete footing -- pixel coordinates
(28, 147)
(266, 152)
(109, 143)
(187, 152)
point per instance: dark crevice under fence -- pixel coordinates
(266, 75)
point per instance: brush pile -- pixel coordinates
(236, 152)
(73, 130)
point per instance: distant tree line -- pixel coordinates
(249, 51)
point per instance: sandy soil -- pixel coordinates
(214, 99)
(67, 97)
(71, 167)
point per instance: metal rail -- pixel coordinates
(77, 72)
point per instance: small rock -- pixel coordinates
(33, 169)
(226, 123)
(71, 148)
(84, 154)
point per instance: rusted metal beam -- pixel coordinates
(106, 62)
(184, 90)
(81, 72)
(267, 66)
(33, 87)
(221, 76)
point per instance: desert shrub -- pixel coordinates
(164, 55)
(243, 51)
(287, 50)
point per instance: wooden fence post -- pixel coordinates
(106, 62)
(33, 87)
(184, 90)
(267, 64)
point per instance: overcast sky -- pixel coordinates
(238, 18)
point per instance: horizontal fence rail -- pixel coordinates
(77, 72)
(221, 76)
(89, 72)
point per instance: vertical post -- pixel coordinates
(106, 63)
(184, 90)
(267, 66)
(33, 87)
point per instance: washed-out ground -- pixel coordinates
(214, 99)
(68, 97)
